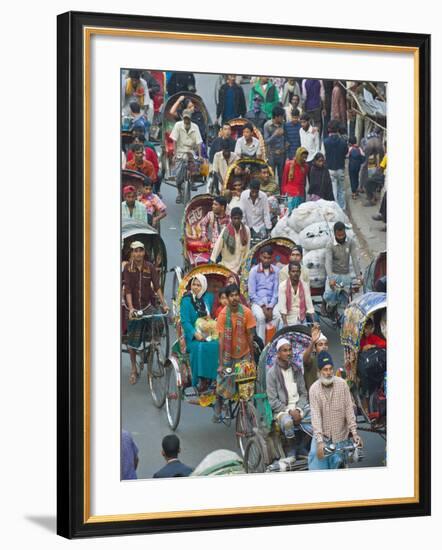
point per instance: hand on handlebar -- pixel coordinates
(320, 450)
(165, 308)
(332, 283)
(358, 440)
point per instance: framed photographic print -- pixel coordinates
(223, 234)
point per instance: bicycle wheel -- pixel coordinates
(255, 455)
(156, 378)
(161, 337)
(246, 421)
(173, 396)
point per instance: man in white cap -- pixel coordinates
(141, 283)
(317, 344)
(187, 141)
(287, 395)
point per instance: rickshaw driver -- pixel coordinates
(333, 416)
(141, 283)
(337, 264)
(287, 395)
(187, 140)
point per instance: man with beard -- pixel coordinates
(337, 264)
(287, 394)
(333, 417)
(294, 300)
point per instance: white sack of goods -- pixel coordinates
(282, 229)
(315, 236)
(331, 212)
(306, 214)
(314, 261)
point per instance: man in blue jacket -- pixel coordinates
(336, 149)
(173, 468)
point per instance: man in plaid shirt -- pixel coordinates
(214, 222)
(333, 417)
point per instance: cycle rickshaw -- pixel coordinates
(196, 170)
(178, 383)
(134, 178)
(237, 125)
(372, 305)
(154, 348)
(282, 248)
(266, 449)
(195, 251)
(375, 271)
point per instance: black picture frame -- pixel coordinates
(72, 522)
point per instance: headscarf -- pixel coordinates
(197, 299)
(297, 160)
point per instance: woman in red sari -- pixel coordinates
(294, 178)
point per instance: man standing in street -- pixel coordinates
(170, 452)
(291, 131)
(337, 264)
(263, 286)
(256, 115)
(231, 100)
(187, 141)
(313, 95)
(275, 141)
(333, 417)
(255, 207)
(335, 152)
(287, 395)
(309, 136)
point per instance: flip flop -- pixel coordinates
(133, 378)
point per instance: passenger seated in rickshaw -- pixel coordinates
(248, 146)
(214, 221)
(295, 256)
(221, 302)
(155, 208)
(149, 154)
(268, 183)
(233, 243)
(201, 344)
(287, 397)
(140, 164)
(294, 300)
(217, 145)
(131, 207)
(372, 361)
(234, 196)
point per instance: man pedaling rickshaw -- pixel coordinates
(337, 266)
(141, 283)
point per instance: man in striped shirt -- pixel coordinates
(333, 417)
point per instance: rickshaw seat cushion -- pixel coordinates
(196, 245)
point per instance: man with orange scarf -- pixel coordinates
(294, 178)
(294, 300)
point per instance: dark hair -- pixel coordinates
(299, 248)
(221, 200)
(277, 111)
(237, 179)
(171, 446)
(225, 145)
(147, 181)
(293, 263)
(318, 156)
(333, 125)
(264, 167)
(221, 291)
(255, 184)
(236, 212)
(134, 73)
(230, 289)
(295, 112)
(266, 250)
(227, 124)
(296, 95)
(135, 107)
(369, 322)
(339, 226)
(137, 147)
(352, 140)
(249, 126)
(186, 102)
(305, 116)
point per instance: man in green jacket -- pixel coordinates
(267, 90)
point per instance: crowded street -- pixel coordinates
(311, 222)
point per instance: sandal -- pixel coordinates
(133, 378)
(179, 199)
(354, 196)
